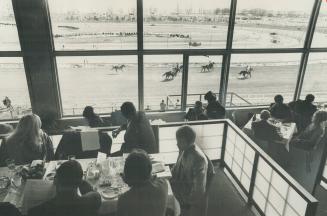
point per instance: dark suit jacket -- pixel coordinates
(265, 131)
(215, 110)
(139, 134)
(149, 199)
(280, 111)
(85, 205)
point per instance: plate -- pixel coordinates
(110, 193)
(50, 176)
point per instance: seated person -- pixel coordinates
(67, 201)
(303, 111)
(264, 130)
(93, 119)
(27, 142)
(196, 113)
(312, 135)
(147, 196)
(279, 110)
(214, 109)
(71, 144)
(191, 175)
(139, 133)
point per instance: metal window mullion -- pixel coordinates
(184, 82)
(307, 45)
(140, 57)
(226, 58)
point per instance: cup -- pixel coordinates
(71, 157)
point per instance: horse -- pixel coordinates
(246, 73)
(207, 67)
(169, 75)
(177, 68)
(118, 67)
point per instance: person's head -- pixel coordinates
(309, 98)
(264, 115)
(318, 117)
(128, 110)
(28, 130)
(69, 175)
(162, 101)
(137, 169)
(88, 112)
(210, 96)
(198, 104)
(185, 137)
(279, 99)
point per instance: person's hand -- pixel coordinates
(115, 133)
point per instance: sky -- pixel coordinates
(170, 5)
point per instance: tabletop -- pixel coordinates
(33, 192)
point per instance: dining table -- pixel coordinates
(33, 192)
(286, 129)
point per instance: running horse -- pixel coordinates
(118, 67)
(245, 74)
(169, 75)
(207, 67)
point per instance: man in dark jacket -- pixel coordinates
(139, 133)
(280, 110)
(67, 202)
(214, 109)
(148, 196)
(303, 111)
(264, 130)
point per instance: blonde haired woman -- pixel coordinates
(27, 142)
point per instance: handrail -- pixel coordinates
(288, 178)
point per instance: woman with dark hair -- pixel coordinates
(147, 196)
(93, 119)
(27, 142)
(139, 133)
(214, 109)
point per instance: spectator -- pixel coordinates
(196, 113)
(139, 133)
(264, 130)
(191, 175)
(214, 109)
(311, 136)
(280, 110)
(93, 119)
(162, 106)
(67, 201)
(147, 196)
(303, 111)
(27, 142)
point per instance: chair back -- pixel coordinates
(71, 144)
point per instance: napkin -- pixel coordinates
(90, 140)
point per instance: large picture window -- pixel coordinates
(8, 30)
(315, 77)
(89, 25)
(203, 76)
(162, 81)
(320, 35)
(181, 24)
(271, 24)
(271, 74)
(14, 95)
(104, 82)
